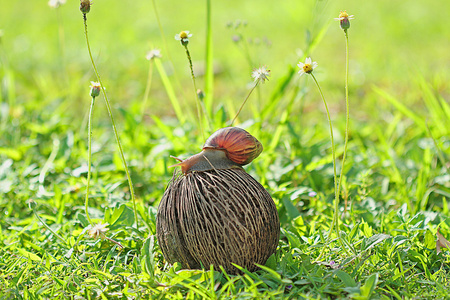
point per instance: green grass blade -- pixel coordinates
(170, 91)
(209, 72)
(401, 107)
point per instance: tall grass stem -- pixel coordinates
(245, 101)
(198, 104)
(108, 106)
(209, 73)
(51, 230)
(347, 115)
(86, 202)
(167, 53)
(335, 223)
(170, 91)
(147, 88)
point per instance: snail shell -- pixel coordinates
(227, 148)
(239, 145)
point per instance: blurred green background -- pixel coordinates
(390, 43)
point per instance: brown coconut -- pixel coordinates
(218, 215)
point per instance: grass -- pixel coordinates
(394, 195)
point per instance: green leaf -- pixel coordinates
(294, 240)
(376, 239)
(12, 153)
(272, 262)
(346, 278)
(429, 240)
(291, 210)
(121, 217)
(82, 218)
(369, 286)
(29, 255)
(148, 257)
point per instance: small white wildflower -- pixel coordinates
(343, 16)
(56, 3)
(261, 74)
(183, 37)
(344, 19)
(97, 230)
(307, 67)
(155, 53)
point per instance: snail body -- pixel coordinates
(215, 213)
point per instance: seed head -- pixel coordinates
(95, 89)
(56, 3)
(155, 53)
(307, 67)
(344, 19)
(85, 6)
(98, 230)
(261, 73)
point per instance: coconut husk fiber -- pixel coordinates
(217, 217)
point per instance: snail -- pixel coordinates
(229, 147)
(215, 213)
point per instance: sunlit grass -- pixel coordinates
(394, 196)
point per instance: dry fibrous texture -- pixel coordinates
(217, 217)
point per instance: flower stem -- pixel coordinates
(51, 230)
(170, 61)
(147, 89)
(331, 132)
(113, 241)
(91, 110)
(347, 118)
(245, 101)
(108, 106)
(198, 103)
(335, 222)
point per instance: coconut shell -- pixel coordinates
(217, 217)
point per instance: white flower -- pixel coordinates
(306, 67)
(98, 230)
(183, 36)
(155, 53)
(261, 74)
(56, 3)
(344, 16)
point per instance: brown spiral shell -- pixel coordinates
(240, 146)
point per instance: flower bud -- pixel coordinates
(85, 6)
(345, 24)
(200, 94)
(31, 204)
(97, 230)
(344, 20)
(95, 89)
